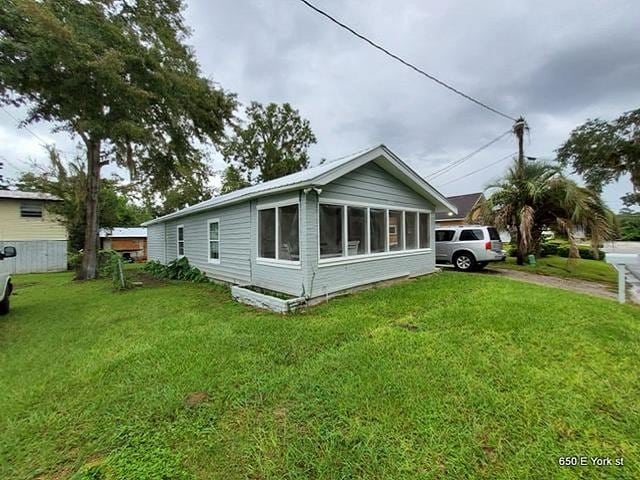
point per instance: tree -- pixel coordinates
(535, 196)
(69, 184)
(629, 224)
(118, 75)
(232, 179)
(273, 143)
(603, 151)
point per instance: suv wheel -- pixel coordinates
(4, 306)
(464, 262)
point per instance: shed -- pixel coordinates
(354, 221)
(128, 241)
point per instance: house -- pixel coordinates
(37, 234)
(464, 204)
(129, 242)
(355, 221)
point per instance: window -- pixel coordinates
(424, 230)
(31, 209)
(470, 235)
(180, 240)
(214, 241)
(493, 233)
(411, 231)
(357, 230)
(331, 231)
(443, 235)
(267, 233)
(377, 230)
(395, 230)
(288, 243)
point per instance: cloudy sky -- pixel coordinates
(556, 63)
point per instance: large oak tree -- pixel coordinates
(117, 74)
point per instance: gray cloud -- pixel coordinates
(558, 63)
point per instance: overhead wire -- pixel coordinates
(406, 63)
(502, 159)
(451, 165)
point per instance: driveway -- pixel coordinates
(633, 276)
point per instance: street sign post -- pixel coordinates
(619, 261)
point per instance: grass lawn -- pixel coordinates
(579, 269)
(448, 376)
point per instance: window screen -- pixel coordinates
(214, 241)
(288, 248)
(180, 241)
(267, 233)
(331, 231)
(377, 230)
(425, 229)
(470, 235)
(395, 230)
(357, 223)
(411, 231)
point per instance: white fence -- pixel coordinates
(35, 256)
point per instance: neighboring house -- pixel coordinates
(38, 235)
(464, 204)
(130, 242)
(355, 221)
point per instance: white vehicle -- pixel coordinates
(5, 280)
(468, 247)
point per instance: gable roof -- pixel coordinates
(15, 194)
(123, 232)
(464, 203)
(321, 175)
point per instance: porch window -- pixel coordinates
(331, 235)
(214, 241)
(357, 230)
(267, 233)
(180, 241)
(423, 233)
(411, 230)
(377, 229)
(288, 243)
(395, 230)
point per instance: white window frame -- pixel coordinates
(180, 255)
(345, 258)
(277, 262)
(209, 240)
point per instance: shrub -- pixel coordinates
(178, 269)
(110, 264)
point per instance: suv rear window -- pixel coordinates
(468, 235)
(444, 235)
(493, 233)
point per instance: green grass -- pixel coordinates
(448, 376)
(579, 269)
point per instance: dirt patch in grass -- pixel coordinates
(196, 398)
(412, 327)
(146, 279)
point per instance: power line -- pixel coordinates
(451, 165)
(406, 63)
(478, 170)
(43, 143)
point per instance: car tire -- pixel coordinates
(464, 261)
(4, 306)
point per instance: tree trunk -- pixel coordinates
(89, 268)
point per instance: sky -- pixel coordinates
(555, 63)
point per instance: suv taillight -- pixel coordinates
(487, 246)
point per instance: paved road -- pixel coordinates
(625, 247)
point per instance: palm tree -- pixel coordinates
(535, 196)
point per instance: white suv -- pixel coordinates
(468, 247)
(5, 280)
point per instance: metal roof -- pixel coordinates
(123, 232)
(15, 194)
(318, 176)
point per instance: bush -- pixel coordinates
(178, 269)
(561, 249)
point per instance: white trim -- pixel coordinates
(381, 206)
(184, 251)
(215, 261)
(328, 262)
(277, 262)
